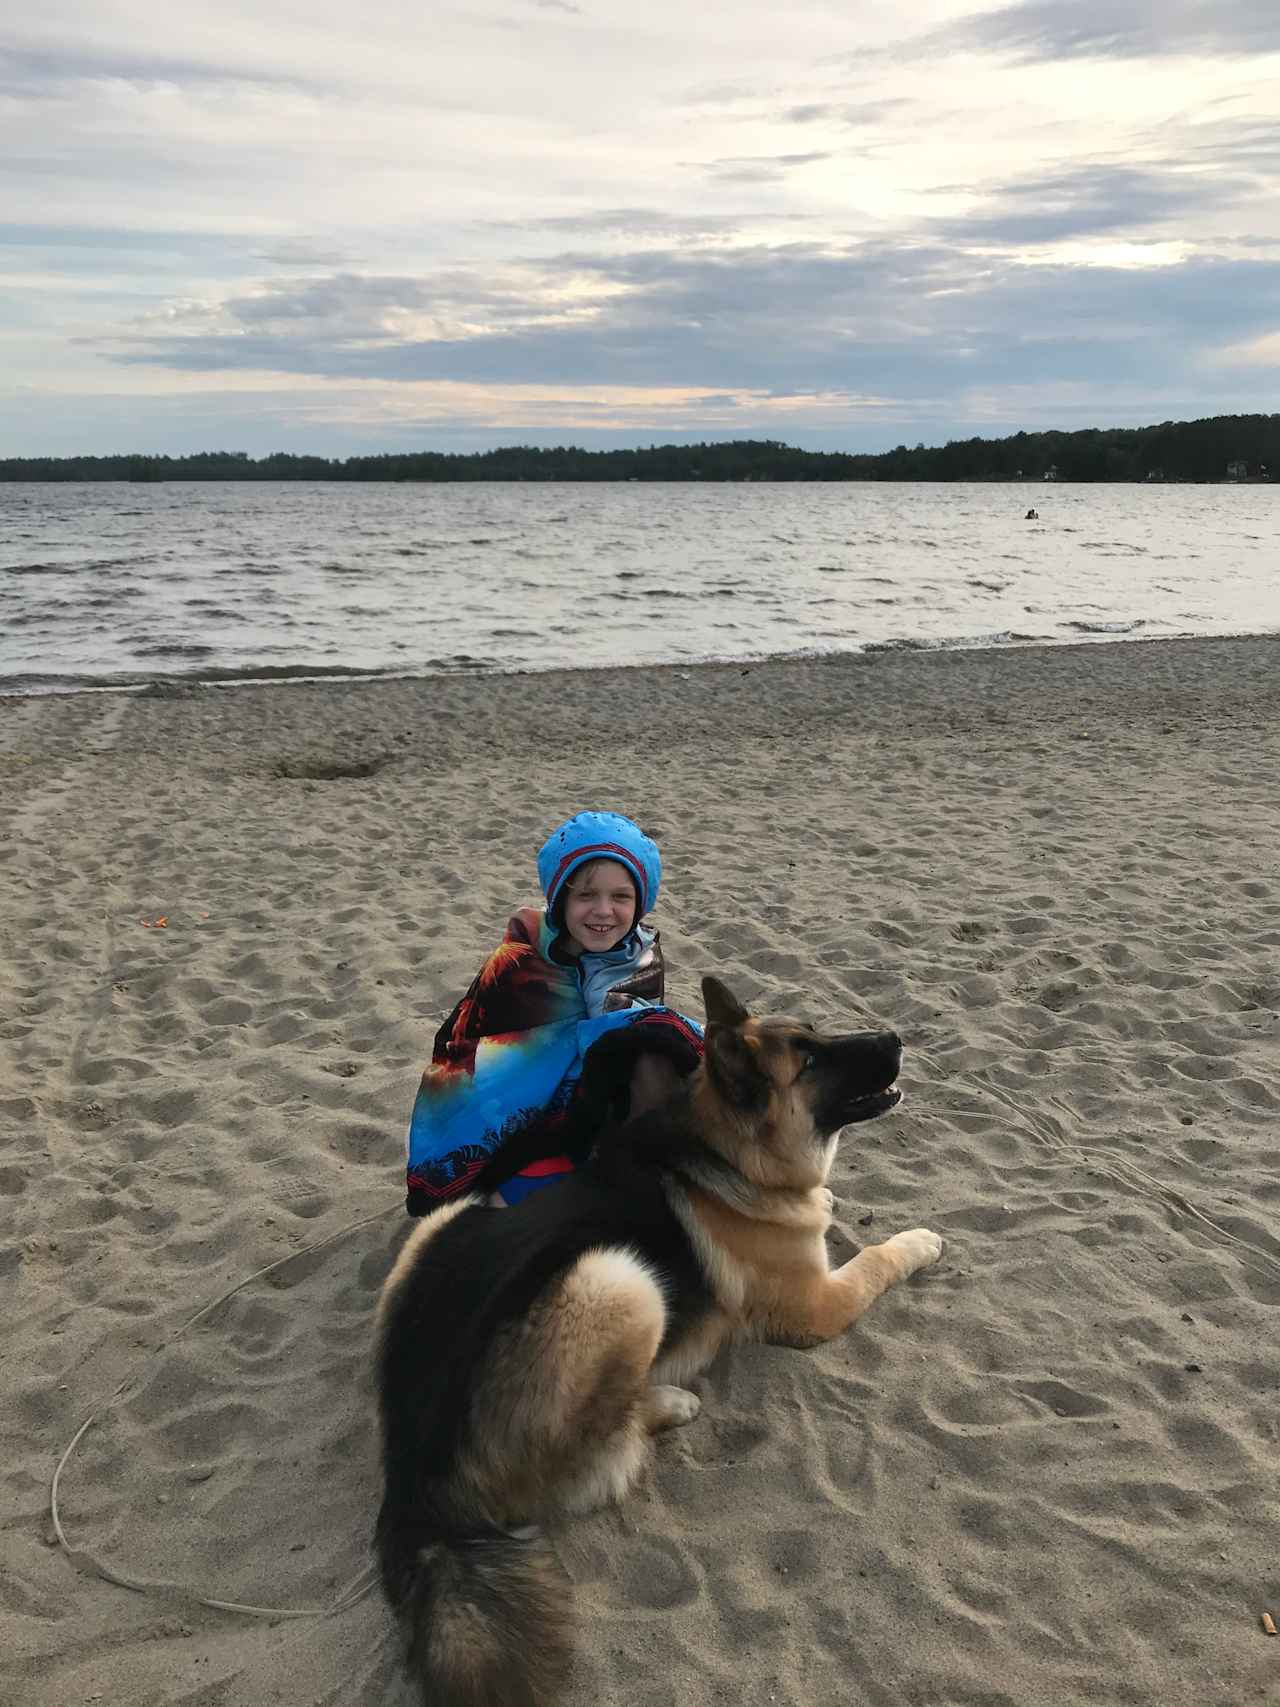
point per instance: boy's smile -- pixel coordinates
(599, 907)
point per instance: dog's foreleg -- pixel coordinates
(832, 1302)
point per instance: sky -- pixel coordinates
(848, 224)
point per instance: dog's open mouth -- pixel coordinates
(868, 1107)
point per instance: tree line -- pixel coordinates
(1240, 447)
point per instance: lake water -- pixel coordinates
(109, 584)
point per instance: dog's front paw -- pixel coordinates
(670, 1407)
(917, 1248)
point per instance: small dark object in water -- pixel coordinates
(1033, 516)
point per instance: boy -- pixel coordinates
(502, 1106)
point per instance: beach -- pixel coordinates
(1043, 1472)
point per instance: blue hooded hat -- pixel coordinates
(600, 835)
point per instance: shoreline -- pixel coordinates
(229, 925)
(176, 685)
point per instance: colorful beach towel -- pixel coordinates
(499, 1105)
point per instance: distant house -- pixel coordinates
(1237, 471)
(1051, 473)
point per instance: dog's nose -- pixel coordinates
(883, 1045)
(891, 1050)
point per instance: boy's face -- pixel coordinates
(599, 906)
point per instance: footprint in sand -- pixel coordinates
(13, 1182)
(658, 1574)
(300, 1198)
(1062, 1400)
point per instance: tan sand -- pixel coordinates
(1043, 1473)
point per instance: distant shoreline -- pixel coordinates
(1221, 449)
(615, 480)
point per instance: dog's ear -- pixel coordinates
(731, 1058)
(722, 1006)
(733, 1067)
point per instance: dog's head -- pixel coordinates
(779, 1091)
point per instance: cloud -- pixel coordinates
(1248, 144)
(1052, 30)
(757, 168)
(640, 222)
(99, 238)
(853, 114)
(1263, 352)
(40, 71)
(916, 321)
(1091, 199)
(303, 252)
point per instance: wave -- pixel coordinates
(171, 649)
(110, 599)
(1083, 626)
(988, 640)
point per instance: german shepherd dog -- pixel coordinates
(525, 1358)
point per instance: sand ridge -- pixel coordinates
(1043, 1472)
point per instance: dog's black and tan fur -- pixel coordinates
(527, 1357)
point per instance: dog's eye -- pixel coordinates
(808, 1061)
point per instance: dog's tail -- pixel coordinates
(487, 1616)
